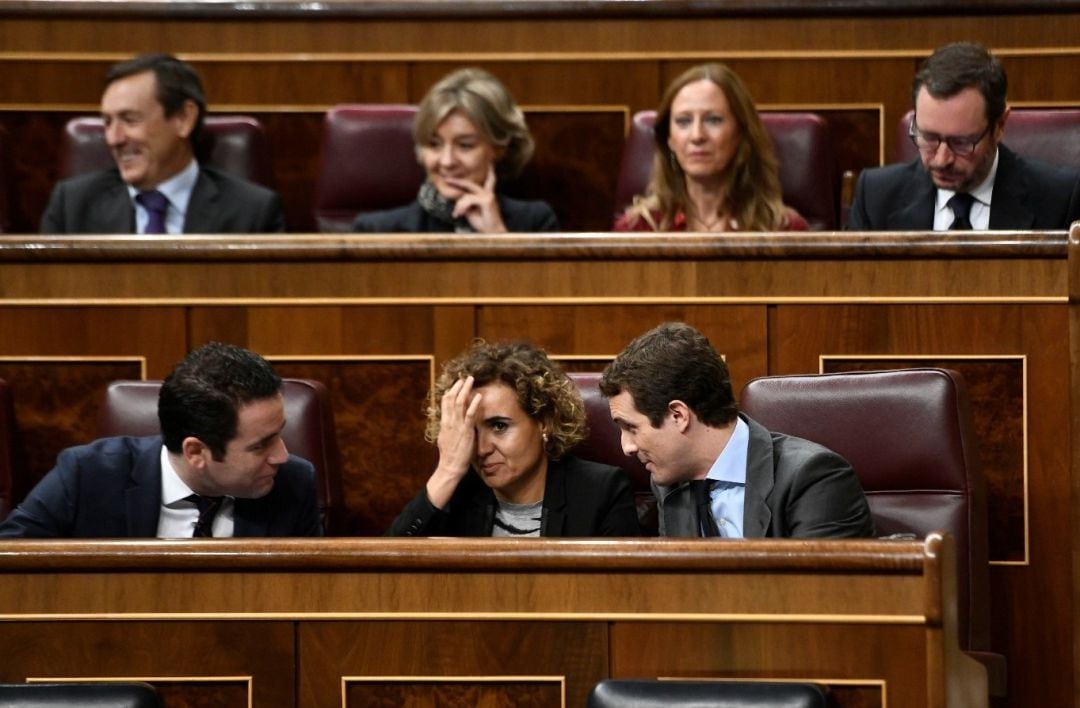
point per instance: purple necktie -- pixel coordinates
(156, 204)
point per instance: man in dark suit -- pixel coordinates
(153, 108)
(964, 177)
(219, 468)
(715, 471)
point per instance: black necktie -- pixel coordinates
(960, 203)
(701, 489)
(208, 509)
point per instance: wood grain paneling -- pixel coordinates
(228, 664)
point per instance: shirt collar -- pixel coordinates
(982, 193)
(730, 466)
(173, 488)
(178, 188)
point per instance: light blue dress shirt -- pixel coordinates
(729, 486)
(177, 190)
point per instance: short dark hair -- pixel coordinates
(955, 67)
(176, 81)
(673, 362)
(202, 394)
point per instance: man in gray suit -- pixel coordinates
(964, 177)
(153, 108)
(715, 471)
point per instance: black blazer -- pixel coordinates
(1028, 195)
(111, 488)
(519, 216)
(99, 203)
(581, 498)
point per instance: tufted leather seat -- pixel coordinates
(636, 693)
(803, 149)
(908, 435)
(233, 144)
(368, 163)
(83, 695)
(130, 408)
(1051, 135)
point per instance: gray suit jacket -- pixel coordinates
(1028, 195)
(98, 203)
(111, 488)
(794, 488)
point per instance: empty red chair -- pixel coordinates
(368, 163)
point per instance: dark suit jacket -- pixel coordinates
(1028, 195)
(111, 488)
(581, 498)
(98, 203)
(519, 216)
(794, 488)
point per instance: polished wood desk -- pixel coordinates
(374, 316)
(531, 622)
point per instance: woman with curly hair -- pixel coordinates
(504, 417)
(714, 168)
(469, 134)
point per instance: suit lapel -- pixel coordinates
(112, 212)
(760, 477)
(251, 518)
(554, 516)
(142, 498)
(1009, 204)
(917, 210)
(201, 207)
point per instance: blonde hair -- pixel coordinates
(544, 391)
(485, 101)
(751, 181)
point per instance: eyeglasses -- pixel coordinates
(930, 142)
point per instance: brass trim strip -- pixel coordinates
(1026, 561)
(414, 57)
(559, 300)
(737, 618)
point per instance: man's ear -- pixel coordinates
(195, 453)
(680, 415)
(186, 118)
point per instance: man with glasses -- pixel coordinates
(964, 178)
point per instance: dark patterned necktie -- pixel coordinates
(701, 489)
(960, 204)
(208, 509)
(156, 205)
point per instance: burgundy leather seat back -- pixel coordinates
(803, 149)
(7, 449)
(233, 144)
(1051, 135)
(130, 408)
(368, 163)
(908, 435)
(603, 445)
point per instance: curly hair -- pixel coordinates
(751, 181)
(485, 101)
(543, 389)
